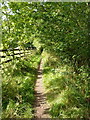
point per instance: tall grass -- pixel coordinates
(18, 87)
(67, 92)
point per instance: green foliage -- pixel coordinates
(18, 87)
(18, 110)
(61, 29)
(67, 92)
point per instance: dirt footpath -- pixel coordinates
(41, 107)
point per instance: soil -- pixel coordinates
(41, 106)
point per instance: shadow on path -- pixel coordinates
(41, 107)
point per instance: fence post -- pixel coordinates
(19, 53)
(13, 53)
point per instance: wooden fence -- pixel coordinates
(8, 55)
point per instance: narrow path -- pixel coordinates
(41, 107)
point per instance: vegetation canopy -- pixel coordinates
(58, 32)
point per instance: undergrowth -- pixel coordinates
(67, 92)
(18, 87)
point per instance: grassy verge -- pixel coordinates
(67, 92)
(18, 87)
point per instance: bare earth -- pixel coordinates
(41, 107)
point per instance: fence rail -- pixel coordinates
(11, 59)
(13, 54)
(16, 49)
